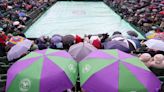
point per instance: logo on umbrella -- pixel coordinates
(86, 68)
(72, 68)
(24, 85)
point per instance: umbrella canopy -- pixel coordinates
(161, 12)
(56, 39)
(160, 35)
(81, 50)
(116, 71)
(155, 44)
(22, 14)
(150, 34)
(117, 45)
(14, 40)
(68, 39)
(42, 71)
(19, 49)
(132, 33)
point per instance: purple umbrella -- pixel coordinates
(19, 49)
(56, 39)
(116, 71)
(117, 45)
(42, 71)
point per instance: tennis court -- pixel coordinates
(81, 18)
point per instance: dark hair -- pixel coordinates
(116, 32)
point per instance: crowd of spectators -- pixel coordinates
(147, 15)
(16, 16)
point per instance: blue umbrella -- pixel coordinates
(56, 39)
(22, 14)
(117, 45)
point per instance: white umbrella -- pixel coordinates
(155, 44)
(19, 49)
(81, 50)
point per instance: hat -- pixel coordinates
(132, 33)
(158, 58)
(15, 23)
(78, 39)
(116, 32)
(145, 57)
(94, 38)
(97, 43)
(158, 61)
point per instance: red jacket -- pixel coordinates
(3, 39)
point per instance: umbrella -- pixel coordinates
(150, 34)
(56, 39)
(117, 45)
(81, 50)
(19, 49)
(132, 33)
(68, 39)
(132, 45)
(155, 44)
(22, 14)
(42, 71)
(159, 35)
(137, 43)
(115, 71)
(14, 40)
(161, 12)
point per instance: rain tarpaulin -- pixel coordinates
(79, 18)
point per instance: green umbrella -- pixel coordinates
(42, 71)
(116, 71)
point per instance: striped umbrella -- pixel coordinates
(150, 34)
(42, 71)
(116, 71)
(14, 40)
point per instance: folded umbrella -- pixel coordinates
(42, 71)
(81, 50)
(19, 49)
(116, 71)
(155, 44)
